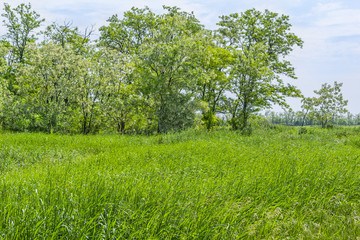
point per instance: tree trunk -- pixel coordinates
(121, 127)
(84, 125)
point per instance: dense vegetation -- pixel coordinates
(145, 73)
(296, 118)
(276, 183)
(159, 73)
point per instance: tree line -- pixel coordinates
(296, 118)
(326, 109)
(145, 73)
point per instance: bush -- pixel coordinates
(303, 130)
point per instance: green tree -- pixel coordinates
(167, 66)
(121, 104)
(328, 104)
(88, 90)
(307, 109)
(259, 42)
(44, 99)
(67, 35)
(126, 35)
(5, 95)
(214, 83)
(251, 84)
(21, 23)
(164, 48)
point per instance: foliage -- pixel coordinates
(44, 90)
(251, 78)
(120, 105)
(126, 35)
(145, 73)
(67, 35)
(259, 42)
(214, 82)
(5, 94)
(308, 107)
(168, 68)
(164, 47)
(21, 22)
(327, 105)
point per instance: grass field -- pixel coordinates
(275, 184)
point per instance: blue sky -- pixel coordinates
(330, 30)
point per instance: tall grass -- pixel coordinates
(190, 185)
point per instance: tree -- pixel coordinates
(329, 103)
(214, 82)
(307, 108)
(4, 93)
(163, 49)
(4, 50)
(126, 35)
(67, 35)
(44, 99)
(168, 70)
(259, 42)
(149, 72)
(21, 22)
(250, 81)
(121, 104)
(88, 88)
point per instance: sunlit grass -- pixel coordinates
(190, 185)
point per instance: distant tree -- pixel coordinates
(67, 35)
(307, 108)
(357, 119)
(328, 104)
(21, 23)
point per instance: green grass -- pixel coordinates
(275, 184)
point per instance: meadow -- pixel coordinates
(274, 184)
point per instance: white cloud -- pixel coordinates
(340, 17)
(329, 22)
(329, 6)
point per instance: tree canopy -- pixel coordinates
(259, 42)
(145, 73)
(328, 104)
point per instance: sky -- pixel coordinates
(330, 30)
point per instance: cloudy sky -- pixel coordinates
(330, 30)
